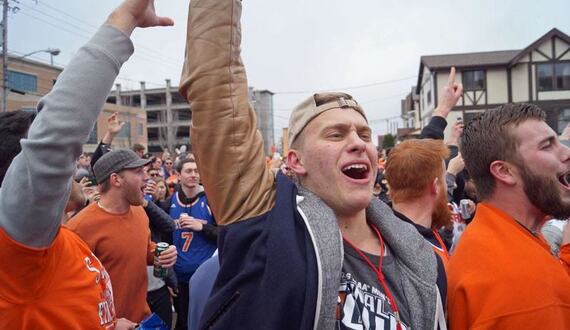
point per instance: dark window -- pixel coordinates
(152, 116)
(184, 115)
(545, 74)
(152, 133)
(562, 75)
(473, 80)
(155, 99)
(468, 116)
(22, 82)
(93, 136)
(136, 101)
(177, 98)
(182, 132)
(154, 149)
(553, 76)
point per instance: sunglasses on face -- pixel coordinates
(154, 175)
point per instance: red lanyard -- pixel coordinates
(378, 272)
(440, 241)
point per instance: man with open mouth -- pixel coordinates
(314, 253)
(502, 274)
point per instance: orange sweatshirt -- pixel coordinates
(122, 243)
(501, 276)
(62, 286)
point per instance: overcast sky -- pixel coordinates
(294, 47)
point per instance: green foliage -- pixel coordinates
(389, 141)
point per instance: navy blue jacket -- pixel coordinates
(271, 254)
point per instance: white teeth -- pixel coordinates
(355, 166)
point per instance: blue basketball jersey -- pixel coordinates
(193, 248)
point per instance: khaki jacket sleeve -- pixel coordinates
(225, 140)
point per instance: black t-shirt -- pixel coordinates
(362, 302)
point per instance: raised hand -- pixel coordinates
(456, 165)
(90, 191)
(456, 132)
(136, 13)
(449, 96)
(150, 187)
(114, 126)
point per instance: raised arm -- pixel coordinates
(114, 126)
(40, 174)
(225, 140)
(450, 94)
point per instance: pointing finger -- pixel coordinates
(451, 79)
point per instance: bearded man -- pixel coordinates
(502, 274)
(415, 172)
(116, 229)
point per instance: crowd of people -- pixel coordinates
(465, 231)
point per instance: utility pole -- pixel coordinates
(5, 55)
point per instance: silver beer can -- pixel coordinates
(464, 209)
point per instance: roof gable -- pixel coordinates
(549, 35)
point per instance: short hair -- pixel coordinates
(412, 166)
(14, 126)
(105, 186)
(138, 147)
(181, 163)
(489, 137)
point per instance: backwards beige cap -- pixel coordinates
(314, 106)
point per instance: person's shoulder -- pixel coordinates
(478, 250)
(139, 212)
(84, 215)
(138, 209)
(70, 237)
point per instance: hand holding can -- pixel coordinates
(160, 271)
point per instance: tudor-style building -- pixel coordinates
(539, 74)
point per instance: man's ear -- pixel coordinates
(504, 172)
(115, 180)
(434, 187)
(295, 162)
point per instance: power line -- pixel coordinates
(94, 28)
(56, 18)
(66, 14)
(140, 54)
(383, 119)
(347, 87)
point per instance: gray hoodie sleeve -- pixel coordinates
(37, 184)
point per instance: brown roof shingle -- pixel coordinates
(502, 57)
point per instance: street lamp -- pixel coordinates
(51, 51)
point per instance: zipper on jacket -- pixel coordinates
(319, 267)
(222, 310)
